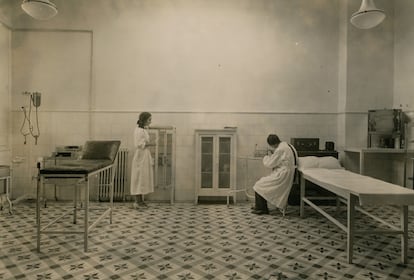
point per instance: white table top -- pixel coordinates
(370, 191)
(377, 150)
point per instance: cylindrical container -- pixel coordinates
(396, 142)
(329, 146)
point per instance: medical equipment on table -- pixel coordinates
(61, 154)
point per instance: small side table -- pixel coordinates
(5, 176)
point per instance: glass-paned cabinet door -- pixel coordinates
(154, 149)
(168, 159)
(153, 144)
(162, 151)
(207, 161)
(224, 162)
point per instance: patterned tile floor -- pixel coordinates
(191, 242)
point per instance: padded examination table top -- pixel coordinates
(369, 190)
(75, 167)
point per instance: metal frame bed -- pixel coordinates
(98, 159)
(358, 190)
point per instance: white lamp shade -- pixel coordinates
(368, 15)
(39, 9)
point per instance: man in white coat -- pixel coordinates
(275, 188)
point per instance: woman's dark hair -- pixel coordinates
(273, 139)
(143, 118)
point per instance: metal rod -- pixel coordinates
(86, 221)
(56, 219)
(351, 226)
(379, 231)
(107, 211)
(326, 215)
(404, 236)
(61, 232)
(377, 218)
(38, 208)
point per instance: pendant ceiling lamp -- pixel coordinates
(39, 9)
(368, 15)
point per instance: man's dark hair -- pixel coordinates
(273, 139)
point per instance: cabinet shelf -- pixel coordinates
(386, 128)
(384, 133)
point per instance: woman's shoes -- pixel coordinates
(142, 204)
(138, 205)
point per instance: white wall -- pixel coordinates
(5, 81)
(404, 63)
(6, 12)
(403, 57)
(5, 112)
(404, 67)
(369, 72)
(220, 56)
(261, 65)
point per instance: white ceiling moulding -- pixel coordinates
(39, 9)
(368, 16)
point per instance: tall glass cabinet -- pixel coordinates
(215, 162)
(163, 153)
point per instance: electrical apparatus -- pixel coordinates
(305, 144)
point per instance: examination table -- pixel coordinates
(98, 158)
(358, 190)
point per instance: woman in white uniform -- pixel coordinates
(275, 188)
(142, 177)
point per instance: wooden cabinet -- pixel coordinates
(215, 152)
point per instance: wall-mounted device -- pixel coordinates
(34, 100)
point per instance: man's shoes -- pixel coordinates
(260, 212)
(143, 204)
